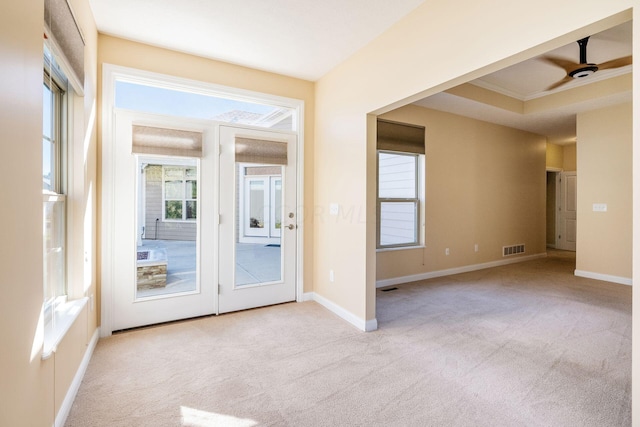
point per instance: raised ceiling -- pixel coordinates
(546, 112)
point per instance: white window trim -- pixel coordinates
(421, 201)
(63, 312)
(64, 315)
(185, 199)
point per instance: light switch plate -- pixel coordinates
(599, 207)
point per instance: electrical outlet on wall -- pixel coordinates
(331, 276)
(446, 251)
(475, 247)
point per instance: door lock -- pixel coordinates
(291, 226)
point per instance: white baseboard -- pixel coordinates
(605, 277)
(65, 408)
(307, 296)
(456, 270)
(363, 325)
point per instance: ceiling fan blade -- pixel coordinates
(567, 66)
(562, 82)
(616, 63)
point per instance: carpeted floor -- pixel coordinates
(522, 345)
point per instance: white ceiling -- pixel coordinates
(306, 39)
(299, 38)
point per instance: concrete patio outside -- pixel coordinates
(255, 263)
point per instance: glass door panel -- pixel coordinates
(257, 269)
(258, 255)
(166, 252)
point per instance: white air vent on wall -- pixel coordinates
(512, 250)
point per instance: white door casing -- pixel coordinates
(208, 250)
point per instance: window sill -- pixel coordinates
(400, 248)
(64, 316)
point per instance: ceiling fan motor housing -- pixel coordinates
(584, 71)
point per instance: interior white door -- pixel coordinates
(263, 272)
(157, 267)
(567, 211)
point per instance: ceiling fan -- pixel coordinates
(584, 68)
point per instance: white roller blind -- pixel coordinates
(262, 151)
(167, 142)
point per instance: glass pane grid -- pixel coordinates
(54, 204)
(397, 176)
(54, 250)
(398, 222)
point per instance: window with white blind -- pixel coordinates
(400, 194)
(63, 83)
(398, 199)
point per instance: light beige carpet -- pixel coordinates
(522, 345)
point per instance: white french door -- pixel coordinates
(164, 255)
(168, 254)
(257, 272)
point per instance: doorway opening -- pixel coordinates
(551, 208)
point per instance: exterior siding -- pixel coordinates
(166, 230)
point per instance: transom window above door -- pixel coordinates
(157, 100)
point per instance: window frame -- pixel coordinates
(55, 294)
(418, 201)
(184, 198)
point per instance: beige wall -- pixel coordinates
(130, 54)
(604, 158)
(485, 185)
(561, 157)
(555, 156)
(569, 163)
(404, 64)
(32, 390)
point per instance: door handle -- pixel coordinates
(291, 226)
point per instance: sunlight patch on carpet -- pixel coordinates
(197, 418)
